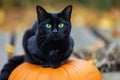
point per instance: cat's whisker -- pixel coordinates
(41, 36)
(47, 40)
(65, 39)
(41, 41)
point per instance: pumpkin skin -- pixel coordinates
(73, 69)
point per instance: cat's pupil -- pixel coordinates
(48, 25)
(61, 25)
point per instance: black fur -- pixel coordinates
(8, 68)
(48, 47)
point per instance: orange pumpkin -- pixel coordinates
(73, 69)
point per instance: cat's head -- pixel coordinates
(54, 26)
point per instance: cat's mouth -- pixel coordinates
(57, 37)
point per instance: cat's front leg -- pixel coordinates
(55, 64)
(44, 60)
(60, 56)
(45, 63)
(54, 61)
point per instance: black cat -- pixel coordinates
(48, 43)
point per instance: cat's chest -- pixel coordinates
(53, 46)
(60, 45)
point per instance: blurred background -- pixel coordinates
(96, 30)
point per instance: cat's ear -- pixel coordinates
(41, 12)
(67, 12)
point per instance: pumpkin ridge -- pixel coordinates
(82, 66)
(31, 67)
(72, 70)
(52, 73)
(76, 67)
(76, 70)
(98, 75)
(91, 74)
(12, 78)
(45, 73)
(24, 78)
(19, 71)
(57, 71)
(66, 72)
(33, 70)
(94, 75)
(39, 73)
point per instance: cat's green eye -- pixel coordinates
(61, 25)
(48, 25)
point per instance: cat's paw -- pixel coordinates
(55, 65)
(45, 64)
